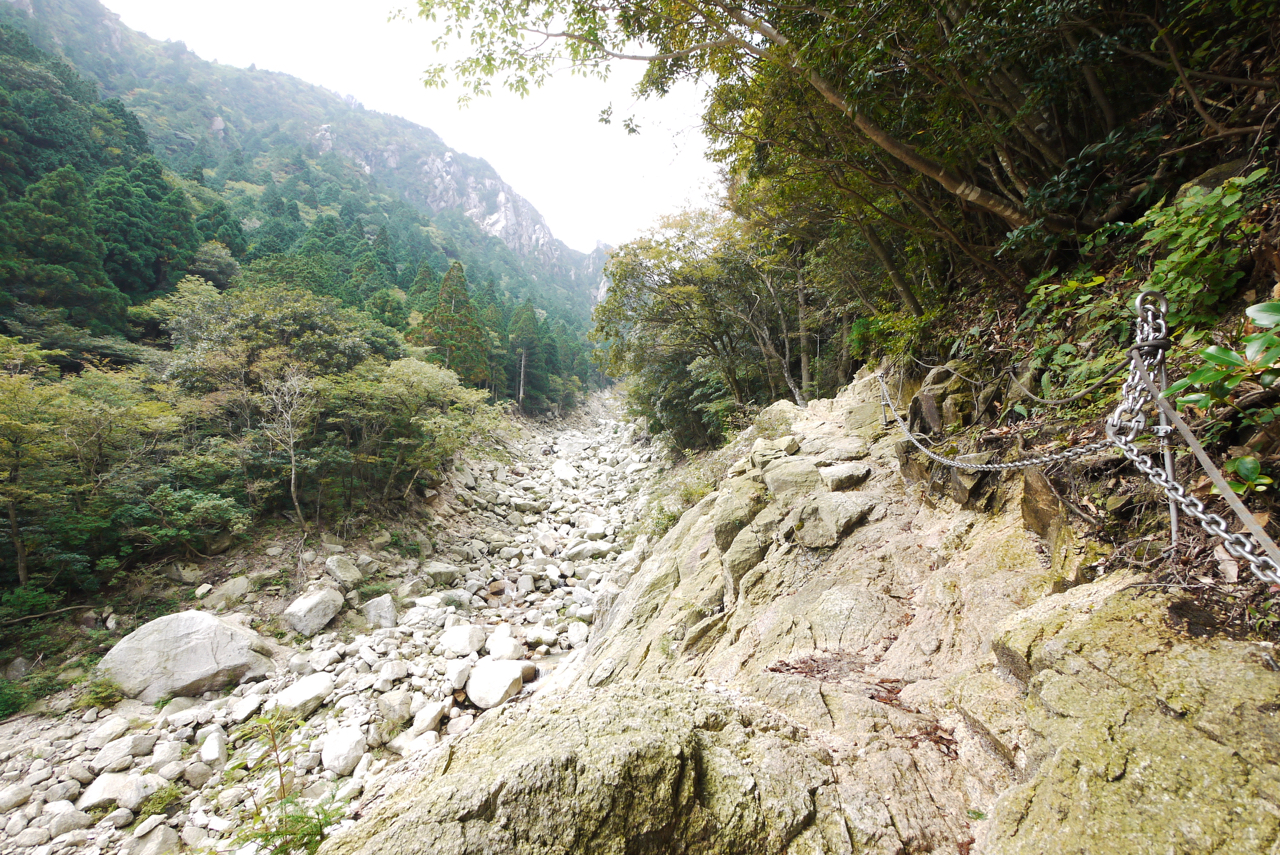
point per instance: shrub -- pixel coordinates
(370, 590)
(286, 825)
(12, 698)
(159, 801)
(1201, 236)
(102, 692)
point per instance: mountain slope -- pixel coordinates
(198, 114)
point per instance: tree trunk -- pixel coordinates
(802, 322)
(293, 487)
(19, 548)
(784, 359)
(1095, 87)
(391, 479)
(730, 373)
(768, 363)
(845, 362)
(895, 275)
(520, 388)
(1012, 213)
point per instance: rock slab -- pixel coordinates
(309, 614)
(651, 769)
(184, 654)
(492, 682)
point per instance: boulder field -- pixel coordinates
(525, 558)
(820, 656)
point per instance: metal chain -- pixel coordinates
(1130, 417)
(1068, 454)
(1123, 426)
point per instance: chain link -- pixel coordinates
(1068, 454)
(1123, 425)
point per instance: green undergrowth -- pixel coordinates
(102, 692)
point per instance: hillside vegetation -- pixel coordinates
(989, 182)
(189, 349)
(957, 193)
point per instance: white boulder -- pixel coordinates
(462, 640)
(308, 614)
(184, 654)
(305, 696)
(493, 682)
(122, 790)
(344, 571)
(381, 612)
(342, 750)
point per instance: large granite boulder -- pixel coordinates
(737, 504)
(639, 769)
(492, 682)
(826, 518)
(309, 614)
(791, 477)
(442, 573)
(1154, 739)
(185, 654)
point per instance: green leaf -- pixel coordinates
(1221, 356)
(1264, 314)
(1199, 400)
(1207, 374)
(1256, 345)
(1248, 468)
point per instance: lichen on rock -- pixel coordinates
(629, 770)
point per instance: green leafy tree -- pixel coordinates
(30, 406)
(528, 365)
(214, 263)
(147, 227)
(215, 223)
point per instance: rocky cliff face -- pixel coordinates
(435, 180)
(949, 679)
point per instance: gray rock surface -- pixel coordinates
(161, 840)
(381, 611)
(791, 477)
(442, 573)
(635, 769)
(463, 640)
(343, 749)
(311, 612)
(492, 681)
(825, 519)
(344, 571)
(303, 697)
(14, 796)
(184, 654)
(123, 790)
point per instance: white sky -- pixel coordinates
(591, 181)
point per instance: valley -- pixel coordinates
(527, 556)
(348, 511)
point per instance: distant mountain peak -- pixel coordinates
(185, 102)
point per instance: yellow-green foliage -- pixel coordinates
(102, 692)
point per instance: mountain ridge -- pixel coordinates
(227, 108)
